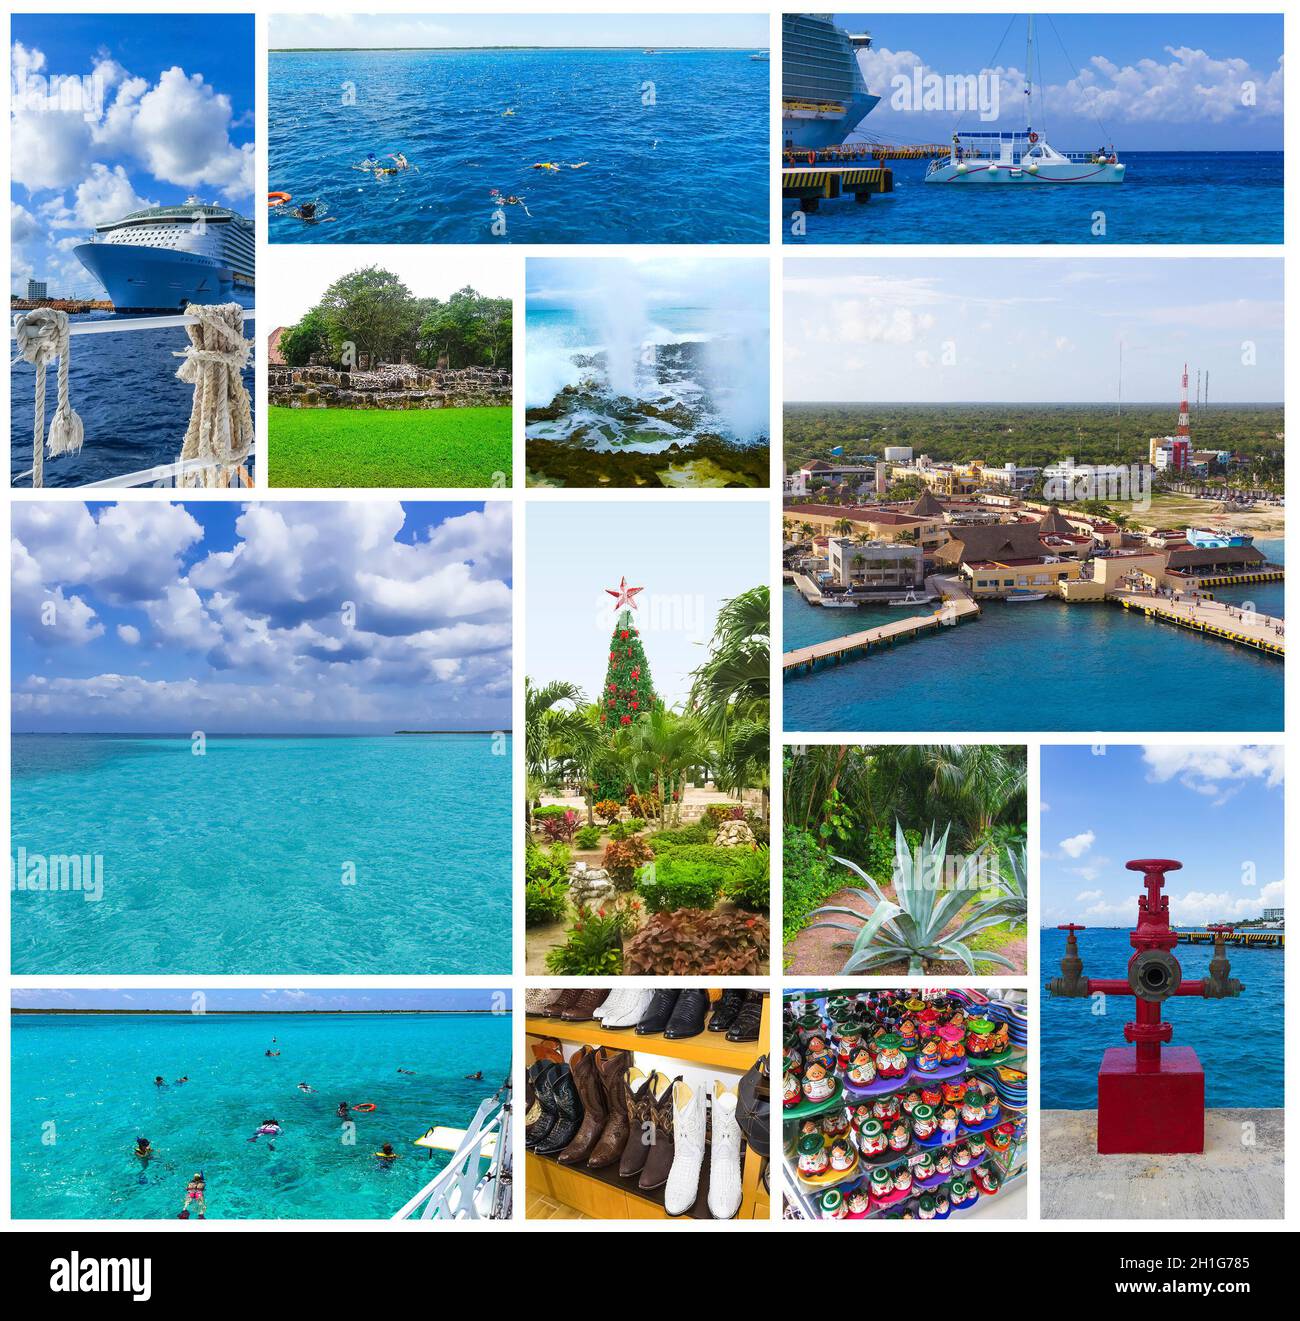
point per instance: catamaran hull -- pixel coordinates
(141, 279)
(987, 172)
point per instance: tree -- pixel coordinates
(628, 692)
(307, 340)
(371, 309)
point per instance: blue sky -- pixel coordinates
(345, 30)
(966, 330)
(237, 997)
(278, 617)
(1156, 81)
(1216, 809)
(115, 112)
(689, 556)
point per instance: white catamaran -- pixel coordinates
(1015, 157)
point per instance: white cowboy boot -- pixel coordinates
(615, 1003)
(724, 1157)
(688, 1150)
(630, 1015)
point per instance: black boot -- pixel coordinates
(688, 1015)
(569, 1113)
(655, 1019)
(749, 1019)
(542, 1114)
(725, 1011)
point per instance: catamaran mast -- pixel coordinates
(1029, 75)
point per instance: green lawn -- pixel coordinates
(379, 447)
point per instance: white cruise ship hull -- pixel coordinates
(812, 130)
(147, 279)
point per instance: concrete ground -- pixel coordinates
(1239, 1176)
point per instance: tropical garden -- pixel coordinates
(646, 848)
(905, 859)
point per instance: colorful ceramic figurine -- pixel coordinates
(818, 1083)
(792, 1091)
(813, 1160)
(882, 1183)
(900, 1136)
(833, 1207)
(843, 1157)
(859, 1202)
(948, 1122)
(890, 1060)
(903, 1179)
(923, 1121)
(972, 1107)
(886, 1108)
(836, 1122)
(952, 1044)
(928, 1058)
(980, 1040)
(871, 1138)
(925, 1208)
(862, 1068)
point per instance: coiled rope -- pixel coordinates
(220, 433)
(41, 336)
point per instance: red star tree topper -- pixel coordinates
(628, 691)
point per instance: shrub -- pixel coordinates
(587, 837)
(807, 881)
(690, 942)
(554, 809)
(750, 885)
(722, 861)
(626, 829)
(622, 859)
(561, 827)
(644, 805)
(545, 901)
(697, 832)
(546, 864)
(671, 882)
(594, 947)
(716, 813)
(607, 809)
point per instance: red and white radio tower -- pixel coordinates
(1184, 418)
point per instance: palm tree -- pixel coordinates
(667, 745)
(554, 727)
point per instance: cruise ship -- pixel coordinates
(160, 259)
(823, 94)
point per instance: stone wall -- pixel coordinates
(400, 386)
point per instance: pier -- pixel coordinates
(956, 608)
(810, 185)
(1213, 618)
(1248, 938)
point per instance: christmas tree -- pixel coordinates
(628, 690)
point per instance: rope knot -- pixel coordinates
(221, 423)
(42, 336)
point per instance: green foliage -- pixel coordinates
(379, 447)
(550, 810)
(722, 861)
(546, 884)
(625, 829)
(750, 885)
(587, 837)
(623, 858)
(594, 946)
(307, 340)
(468, 330)
(807, 880)
(694, 942)
(673, 882)
(608, 809)
(697, 832)
(931, 917)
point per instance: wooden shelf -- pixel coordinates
(711, 1049)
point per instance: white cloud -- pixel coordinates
(1210, 768)
(1077, 845)
(105, 194)
(129, 634)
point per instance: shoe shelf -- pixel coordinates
(709, 1049)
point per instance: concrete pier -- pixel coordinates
(1210, 617)
(813, 184)
(1238, 1177)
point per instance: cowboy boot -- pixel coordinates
(689, 1119)
(611, 1066)
(688, 1014)
(640, 1122)
(660, 1010)
(749, 1020)
(583, 1009)
(592, 1095)
(542, 1114)
(568, 1109)
(659, 1159)
(559, 1001)
(725, 1011)
(724, 1155)
(629, 1011)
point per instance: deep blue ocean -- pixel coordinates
(693, 167)
(87, 1080)
(1239, 1041)
(1166, 197)
(1037, 666)
(124, 386)
(266, 855)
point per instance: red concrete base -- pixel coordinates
(1151, 1113)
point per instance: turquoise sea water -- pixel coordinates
(1239, 1041)
(266, 855)
(675, 145)
(1166, 197)
(1037, 666)
(83, 1091)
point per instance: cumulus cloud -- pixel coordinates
(1215, 771)
(324, 610)
(1077, 845)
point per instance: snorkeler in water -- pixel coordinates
(474, 1077)
(268, 1128)
(196, 1197)
(311, 213)
(144, 1150)
(386, 1155)
(160, 1081)
(500, 199)
(272, 1054)
(553, 166)
(303, 1087)
(410, 1073)
(344, 1111)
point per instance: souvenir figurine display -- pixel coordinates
(904, 1104)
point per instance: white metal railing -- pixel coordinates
(161, 474)
(460, 1191)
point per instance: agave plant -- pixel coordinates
(916, 927)
(1012, 902)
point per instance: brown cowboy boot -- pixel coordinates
(611, 1066)
(659, 1159)
(592, 1094)
(638, 1089)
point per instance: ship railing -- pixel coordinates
(460, 1191)
(161, 474)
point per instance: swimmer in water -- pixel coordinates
(268, 1128)
(144, 1150)
(311, 213)
(196, 1197)
(303, 1087)
(160, 1081)
(474, 1077)
(386, 1155)
(343, 1111)
(500, 199)
(553, 166)
(181, 1081)
(272, 1054)
(410, 1073)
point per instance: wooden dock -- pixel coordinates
(1213, 618)
(955, 609)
